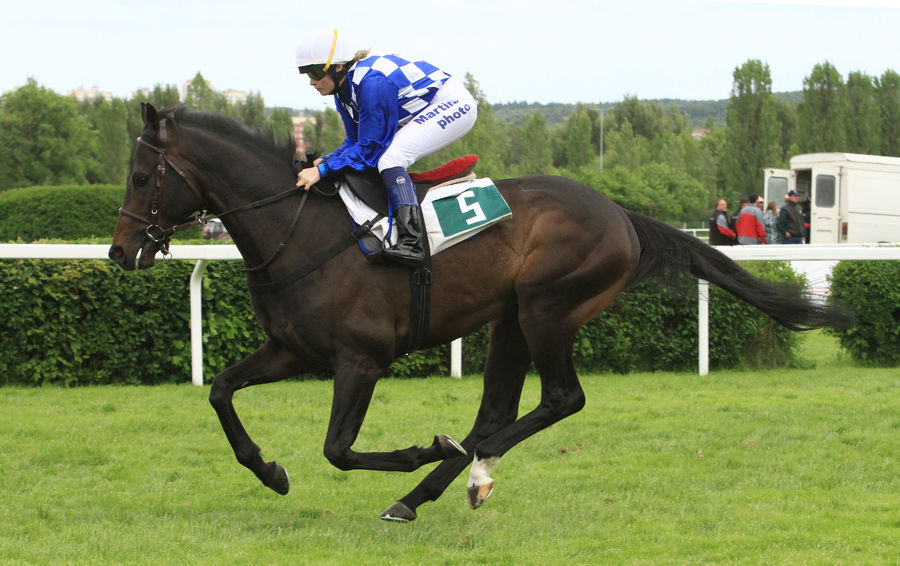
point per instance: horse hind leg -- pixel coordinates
(561, 396)
(549, 322)
(267, 364)
(504, 375)
(354, 383)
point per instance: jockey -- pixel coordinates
(395, 111)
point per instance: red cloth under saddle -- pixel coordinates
(457, 168)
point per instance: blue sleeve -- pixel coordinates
(378, 122)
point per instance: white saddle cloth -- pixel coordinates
(470, 218)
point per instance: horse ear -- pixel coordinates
(150, 117)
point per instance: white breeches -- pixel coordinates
(448, 118)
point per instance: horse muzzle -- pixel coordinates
(140, 256)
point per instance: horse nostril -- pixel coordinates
(116, 253)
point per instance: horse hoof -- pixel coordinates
(449, 447)
(280, 482)
(478, 493)
(399, 513)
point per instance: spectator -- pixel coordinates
(751, 228)
(790, 220)
(732, 222)
(771, 216)
(720, 234)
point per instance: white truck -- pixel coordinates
(846, 197)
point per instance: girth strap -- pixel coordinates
(420, 278)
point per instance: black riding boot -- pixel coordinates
(409, 249)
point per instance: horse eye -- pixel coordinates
(139, 179)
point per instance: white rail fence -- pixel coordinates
(203, 254)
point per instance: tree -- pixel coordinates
(44, 140)
(324, 133)
(821, 114)
(624, 148)
(713, 147)
(863, 120)
(281, 124)
(645, 118)
(532, 145)
(201, 96)
(578, 147)
(252, 111)
(623, 186)
(752, 135)
(677, 197)
(888, 95)
(786, 118)
(110, 120)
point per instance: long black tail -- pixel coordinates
(666, 251)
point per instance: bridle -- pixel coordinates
(163, 236)
(154, 232)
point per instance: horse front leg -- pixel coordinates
(269, 363)
(354, 383)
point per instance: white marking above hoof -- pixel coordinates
(480, 484)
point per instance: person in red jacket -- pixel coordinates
(751, 224)
(719, 232)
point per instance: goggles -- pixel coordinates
(315, 72)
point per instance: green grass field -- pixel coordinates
(793, 466)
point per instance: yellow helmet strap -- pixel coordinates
(331, 53)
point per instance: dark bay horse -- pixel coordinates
(563, 258)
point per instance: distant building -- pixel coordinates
(700, 133)
(82, 94)
(235, 96)
(300, 122)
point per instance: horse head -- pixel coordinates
(156, 202)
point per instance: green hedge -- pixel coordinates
(67, 212)
(872, 289)
(63, 213)
(80, 322)
(653, 327)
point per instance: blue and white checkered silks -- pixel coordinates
(416, 81)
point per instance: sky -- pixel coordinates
(544, 51)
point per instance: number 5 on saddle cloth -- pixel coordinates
(453, 212)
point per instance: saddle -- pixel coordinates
(368, 186)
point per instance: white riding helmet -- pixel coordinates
(324, 47)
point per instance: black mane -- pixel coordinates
(260, 138)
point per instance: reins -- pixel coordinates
(290, 229)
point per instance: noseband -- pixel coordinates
(154, 232)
